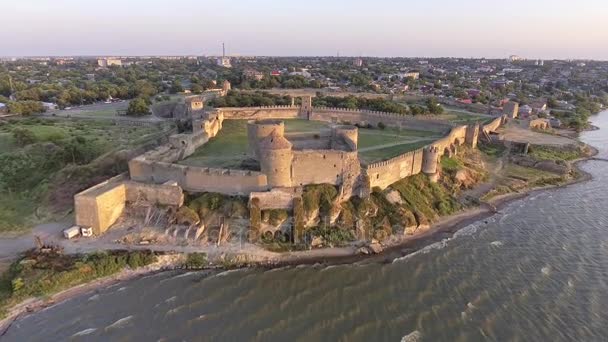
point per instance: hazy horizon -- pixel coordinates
(536, 29)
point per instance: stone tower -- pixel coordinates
(257, 130)
(306, 108)
(345, 134)
(275, 159)
(472, 135)
(430, 160)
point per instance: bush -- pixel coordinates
(196, 260)
(23, 136)
(381, 125)
(138, 107)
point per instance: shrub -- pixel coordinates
(196, 260)
(23, 136)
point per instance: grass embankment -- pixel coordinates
(564, 153)
(209, 206)
(516, 178)
(43, 163)
(40, 274)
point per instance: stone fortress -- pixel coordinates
(287, 162)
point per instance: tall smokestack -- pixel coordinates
(223, 50)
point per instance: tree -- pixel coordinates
(138, 107)
(23, 136)
(197, 88)
(433, 106)
(176, 87)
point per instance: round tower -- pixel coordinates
(275, 160)
(430, 160)
(349, 134)
(257, 130)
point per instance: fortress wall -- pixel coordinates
(163, 194)
(274, 199)
(186, 144)
(539, 124)
(270, 112)
(101, 205)
(456, 137)
(354, 116)
(323, 166)
(310, 143)
(230, 182)
(494, 125)
(385, 173)
(199, 179)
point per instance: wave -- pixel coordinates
(84, 332)
(121, 322)
(414, 336)
(435, 246)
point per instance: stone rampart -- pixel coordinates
(494, 124)
(384, 173)
(324, 167)
(275, 198)
(268, 112)
(199, 179)
(100, 206)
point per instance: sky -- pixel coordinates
(546, 29)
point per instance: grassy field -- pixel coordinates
(369, 138)
(229, 148)
(98, 109)
(6, 142)
(29, 174)
(372, 156)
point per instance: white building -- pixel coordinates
(106, 62)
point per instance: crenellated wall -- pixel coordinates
(257, 113)
(494, 124)
(324, 167)
(199, 179)
(358, 116)
(384, 173)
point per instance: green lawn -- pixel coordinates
(6, 142)
(373, 156)
(229, 148)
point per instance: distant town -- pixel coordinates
(566, 91)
